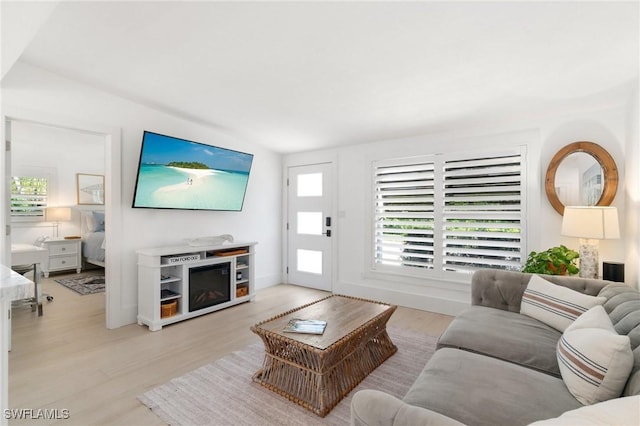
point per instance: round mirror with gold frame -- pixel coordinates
(581, 173)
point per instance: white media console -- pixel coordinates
(182, 282)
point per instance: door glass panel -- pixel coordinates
(310, 185)
(310, 261)
(310, 223)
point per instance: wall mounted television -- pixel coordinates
(176, 173)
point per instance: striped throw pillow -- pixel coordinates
(555, 305)
(595, 362)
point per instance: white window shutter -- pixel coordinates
(482, 215)
(404, 215)
(28, 198)
(450, 213)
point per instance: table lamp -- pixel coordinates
(590, 224)
(57, 214)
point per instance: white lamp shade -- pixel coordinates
(597, 222)
(57, 214)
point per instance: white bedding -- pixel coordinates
(93, 241)
(93, 245)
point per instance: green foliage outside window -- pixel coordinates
(28, 197)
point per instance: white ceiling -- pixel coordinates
(297, 76)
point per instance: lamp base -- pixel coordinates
(588, 258)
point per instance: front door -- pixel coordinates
(309, 227)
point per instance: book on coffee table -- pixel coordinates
(296, 325)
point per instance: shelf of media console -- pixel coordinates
(166, 295)
(156, 275)
(169, 279)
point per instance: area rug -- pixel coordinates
(84, 284)
(222, 392)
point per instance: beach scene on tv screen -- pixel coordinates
(175, 173)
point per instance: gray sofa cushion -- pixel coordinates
(505, 335)
(503, 289)
(479, 390)
(623, 307)
(374, 408)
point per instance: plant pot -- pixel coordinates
(557, 270)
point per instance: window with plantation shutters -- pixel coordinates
(449, 213)
(28, 198)
(482, 213)
(404, 216)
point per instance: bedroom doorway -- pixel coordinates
(109, 148)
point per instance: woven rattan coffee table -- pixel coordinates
(317, 371)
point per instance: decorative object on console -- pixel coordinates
(232, 252)
(210, 241)
(57, 215)
(90, 189)
(590, 224)
(183, 258)
(168, 308)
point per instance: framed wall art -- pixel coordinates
(90, 189)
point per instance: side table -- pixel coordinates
(63, 255)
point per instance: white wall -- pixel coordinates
(60, 154)
(29, 88)
(20, 22)
(544, 136)
(632, 193)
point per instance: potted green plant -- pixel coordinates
(554, 261)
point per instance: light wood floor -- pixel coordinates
(67, 359)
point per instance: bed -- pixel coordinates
(93, 241)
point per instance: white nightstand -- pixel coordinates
(63, 255)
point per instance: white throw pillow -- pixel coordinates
(555, 305)
(595, 317)
(595, 363)
(619, 411)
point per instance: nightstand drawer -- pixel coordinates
(62, 248)
(64, 262)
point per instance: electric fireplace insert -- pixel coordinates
(209, 285)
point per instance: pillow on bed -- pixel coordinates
(97, 222)
(94, 221)
(86, 221)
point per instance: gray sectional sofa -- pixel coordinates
(496, 366)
